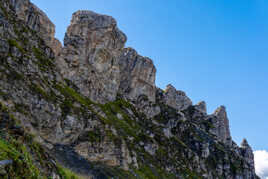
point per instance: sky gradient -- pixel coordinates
(215, 51)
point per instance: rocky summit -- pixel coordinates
(91, 108)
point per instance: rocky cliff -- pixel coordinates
(91, 109)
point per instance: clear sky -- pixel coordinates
(214, 50)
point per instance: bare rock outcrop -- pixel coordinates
(201, 106)
(38, 21)
(176, 99)
(89, 58)
(142, 132)
(137, 75)
(221, 125)
(247, 153)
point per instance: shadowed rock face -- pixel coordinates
(89, 58)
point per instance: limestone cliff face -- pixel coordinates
(221, 123)
(94, 58)
(89, 59)
(93, 107)
(137, 75)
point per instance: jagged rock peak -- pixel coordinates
(90, 57)
(170, 88)
(221, 124)
(37, 20)
(95, 60)
(137, 75)
(244, 144)
(220, 111)
(96, 20)
(201, 106)
(176, 98)
(116, 138)
(97, 29)
(247, 153)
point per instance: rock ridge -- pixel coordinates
(94, 102)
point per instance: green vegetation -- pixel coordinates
(30, 159)
(95, 136)
(22, 166)
(71, 93)
(25, 153)
(3, 9)
(40, 91)
(22, 108)
(14, 43)
(43, 62)
(126, 126)
(2, 93)
(66, 173)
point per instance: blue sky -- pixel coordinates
(215, 51)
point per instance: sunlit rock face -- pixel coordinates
(221, 125)
(143, 132)
(247, 153)
(95, 60)
(137, 75)
(89, 58)
(176, 98)
(38, 21)
(201, 106)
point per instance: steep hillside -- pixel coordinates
(91, 109)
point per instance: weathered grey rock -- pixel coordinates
(205, 150)
(106, 152)
(137, 75)
(5, 162)
(176, 99)
(201, 106)
(89, 58)
(4, 46)
(37, 20)
(221, 125)
(151, 148)
(247, 153)
(147, 107)
(175, 138)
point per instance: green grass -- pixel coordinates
(14, 43)
(22, 166)
(126, 125)
(49, 96)
(67, 174)
(71, 93)
(43, 62)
